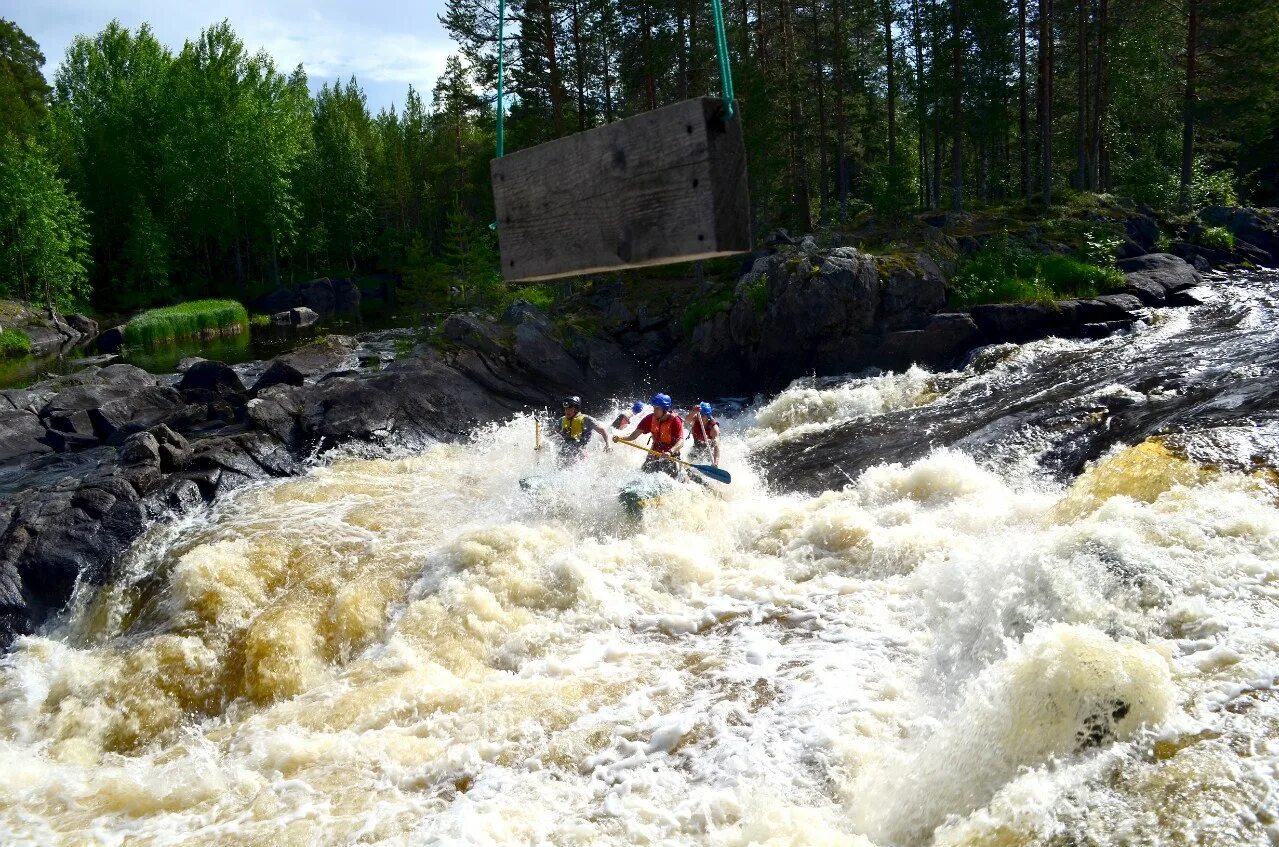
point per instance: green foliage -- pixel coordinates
(259, 321)
(536, 295)
(186, 320)
(703, 308)
(1004, 271)
(756, 292)
(43, 244)
(14, 342)
(1101, 246)
(1212, 188)
(23, 91)
(1218, 238)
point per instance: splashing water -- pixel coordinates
(416, 651)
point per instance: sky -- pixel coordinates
(387, 45)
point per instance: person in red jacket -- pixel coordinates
(667, 431)
(705, 431)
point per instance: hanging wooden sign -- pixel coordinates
(661, 187)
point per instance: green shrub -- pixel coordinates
(185, 320)
(1004, 271)
(757, 293)
(260, 321)
(536, 295)
(1218, 238)
(704, 307)
(14, 342)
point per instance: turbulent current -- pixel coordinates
(963, 648)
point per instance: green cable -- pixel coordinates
(721, 46)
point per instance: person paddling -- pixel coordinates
(667, 431)
(576, 429)
(623, 420)
(702, 425)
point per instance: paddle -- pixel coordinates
(706, 470)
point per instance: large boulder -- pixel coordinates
(110, 341)
(21, 435)
(1259, 227)
(208, 377)
(939, 343)
(1019, 322)
(1151, 278)
(322, 356)
(911, 292)
(534, 351)
(278, 373)
(1143, 231)
(86, 327)
(114, 410)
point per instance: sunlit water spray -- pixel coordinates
(418, 651)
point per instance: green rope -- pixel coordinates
(721, 47)
(501, 55)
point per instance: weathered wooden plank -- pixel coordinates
(664, 186)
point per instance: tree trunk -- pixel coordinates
(823, 163)
(841, 116)
(956, 111)
(1188, 125)
(1081, 97)
(799, 179)
(1023, 107)
(1046, 99)
(1099, 111)
(605, 21)
(579, 67)
(650, 82)
(886, 7)
(920, 116)
(682, 48)
(552, 65)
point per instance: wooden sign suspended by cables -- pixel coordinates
(660, 187)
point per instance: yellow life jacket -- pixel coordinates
(572, 428)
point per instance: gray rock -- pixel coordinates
(278, 373)
(207, 376)
(941, 342)
(322, 356)
(1152, 277)
(535, 352)
(112, 408)
(188, 362)
(477, 333)
(21, 435)
(141, 448)
(86, 327)
(1018, 322)
(1143, 231)
(110, 341)
(1258, 227)
(910, 296)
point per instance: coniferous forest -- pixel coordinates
(144, 175)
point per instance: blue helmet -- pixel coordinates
(662, 401)
(705, 409)
(637, 407)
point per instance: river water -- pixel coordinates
(958, 649)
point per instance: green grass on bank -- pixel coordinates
(1006, 272)
(14, 342)
(185, 320)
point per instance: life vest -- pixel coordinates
(704, 429)
(665, 433)
(574, 429)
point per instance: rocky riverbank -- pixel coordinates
(91, 459)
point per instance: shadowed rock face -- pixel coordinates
(1077, 400)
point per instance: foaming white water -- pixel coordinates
(417, 651)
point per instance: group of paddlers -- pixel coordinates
(667, 431)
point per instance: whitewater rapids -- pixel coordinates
(414, 651)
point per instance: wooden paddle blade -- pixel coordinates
(715, 473)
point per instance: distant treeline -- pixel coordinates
(143, 176)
